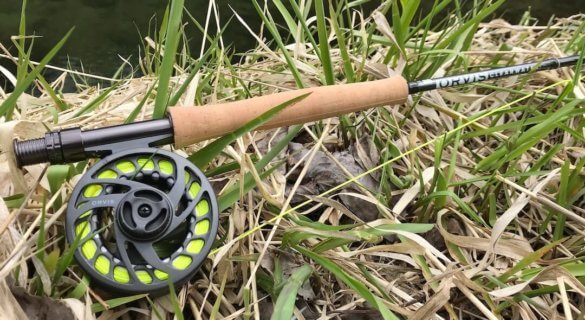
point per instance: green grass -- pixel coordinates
(170, 41)
(451, 172)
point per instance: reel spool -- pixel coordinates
(141, 218)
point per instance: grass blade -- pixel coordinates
(7, 107)
(97, 101)
(116, 302)
(271, 27)
(324, 52)
(23, 59)
(171, 43)
(343, 50)
(56, 175)
(132, 116)
(285, 304)
(202, 157)
(528, 138)
(197, 68)
(232, 195)
(353, 283)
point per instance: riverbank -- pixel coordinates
(463, 208)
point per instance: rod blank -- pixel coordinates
(452, 81)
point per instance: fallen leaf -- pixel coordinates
(325, 174)
(9, 307)
(44, 308)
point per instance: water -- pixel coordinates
(108, 30)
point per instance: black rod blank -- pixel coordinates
(467, 78)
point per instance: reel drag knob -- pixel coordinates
(140, 218)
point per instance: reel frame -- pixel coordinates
(150, 196)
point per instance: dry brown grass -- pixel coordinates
(492, 228)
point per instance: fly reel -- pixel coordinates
(141, 218)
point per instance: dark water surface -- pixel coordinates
(106, 30)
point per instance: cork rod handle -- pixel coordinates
(194, 124)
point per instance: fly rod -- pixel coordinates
(187, 125)
(155, 196)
